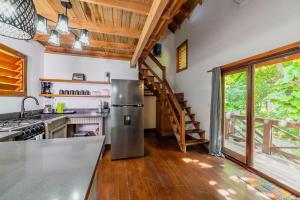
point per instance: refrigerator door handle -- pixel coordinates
(137, 105)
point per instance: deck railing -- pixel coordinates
(265, 129)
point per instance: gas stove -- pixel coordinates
(29, 128)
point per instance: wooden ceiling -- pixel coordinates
(119, 29)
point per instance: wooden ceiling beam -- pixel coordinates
(95, 27)
(86, 53)
(156, 11)
(128, 5)
(93, 43)
(173, 9)
(185, 13)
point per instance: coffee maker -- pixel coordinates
(46, 87)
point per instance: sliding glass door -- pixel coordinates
(277, 119)
(235, 109)
(261, 117)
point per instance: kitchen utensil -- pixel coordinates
(72, 92)
(67, 92)
(60, 107)
(47, 109)
(46, 87)
(76, 92)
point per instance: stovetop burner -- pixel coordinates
(10, 125)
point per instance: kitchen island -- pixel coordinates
(57, 169)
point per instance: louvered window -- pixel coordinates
(182, 56)
(12, 72)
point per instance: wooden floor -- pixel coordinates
(287, 172)
(166, 173)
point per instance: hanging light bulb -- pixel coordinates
(54, 38)
(62, 24)
(77, 44)
(41, 25)
(84, 37)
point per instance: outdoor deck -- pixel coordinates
(285, 171)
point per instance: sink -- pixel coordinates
(39, 117)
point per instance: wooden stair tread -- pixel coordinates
(191, 114)
(192, 122)
(191, 131)
(195, 142)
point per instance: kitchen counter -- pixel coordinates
(4, 136)
(57, 169)
(79, 114)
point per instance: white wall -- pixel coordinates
(35, 55)
(167, 58)
(63, 66)
(220, 32)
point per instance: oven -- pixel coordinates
(32, 132)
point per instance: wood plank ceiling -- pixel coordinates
(116, 26)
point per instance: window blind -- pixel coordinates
(12, 70)
(182, 56)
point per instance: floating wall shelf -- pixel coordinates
(64, 95)
(72, 81)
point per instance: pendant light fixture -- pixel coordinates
(17, 19)
(77, 44)
(62, 25)
(41, 25)
(84, 37)
(54, 38)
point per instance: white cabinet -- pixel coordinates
(56, 128)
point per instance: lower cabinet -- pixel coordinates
(56, 128)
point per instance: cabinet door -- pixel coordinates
(59, 132)
(57, 128)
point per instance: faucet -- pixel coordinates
(23, 104)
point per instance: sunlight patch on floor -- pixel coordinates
(202, 164)
(227, 193)
(212, 183)
(235, 179)
(188, 160)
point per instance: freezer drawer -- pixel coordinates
(127, 132)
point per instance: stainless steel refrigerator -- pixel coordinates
(127, 119)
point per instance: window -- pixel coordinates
(182, 57)
(261, 114)
(12, 72)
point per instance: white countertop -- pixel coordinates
(56, 169)
(9, 134)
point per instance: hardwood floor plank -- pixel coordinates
(165, 173)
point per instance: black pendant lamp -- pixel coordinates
(84, 37)
(62, 25)
(54, 38)
(17, 19)
(77, 44)
(41, 25)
